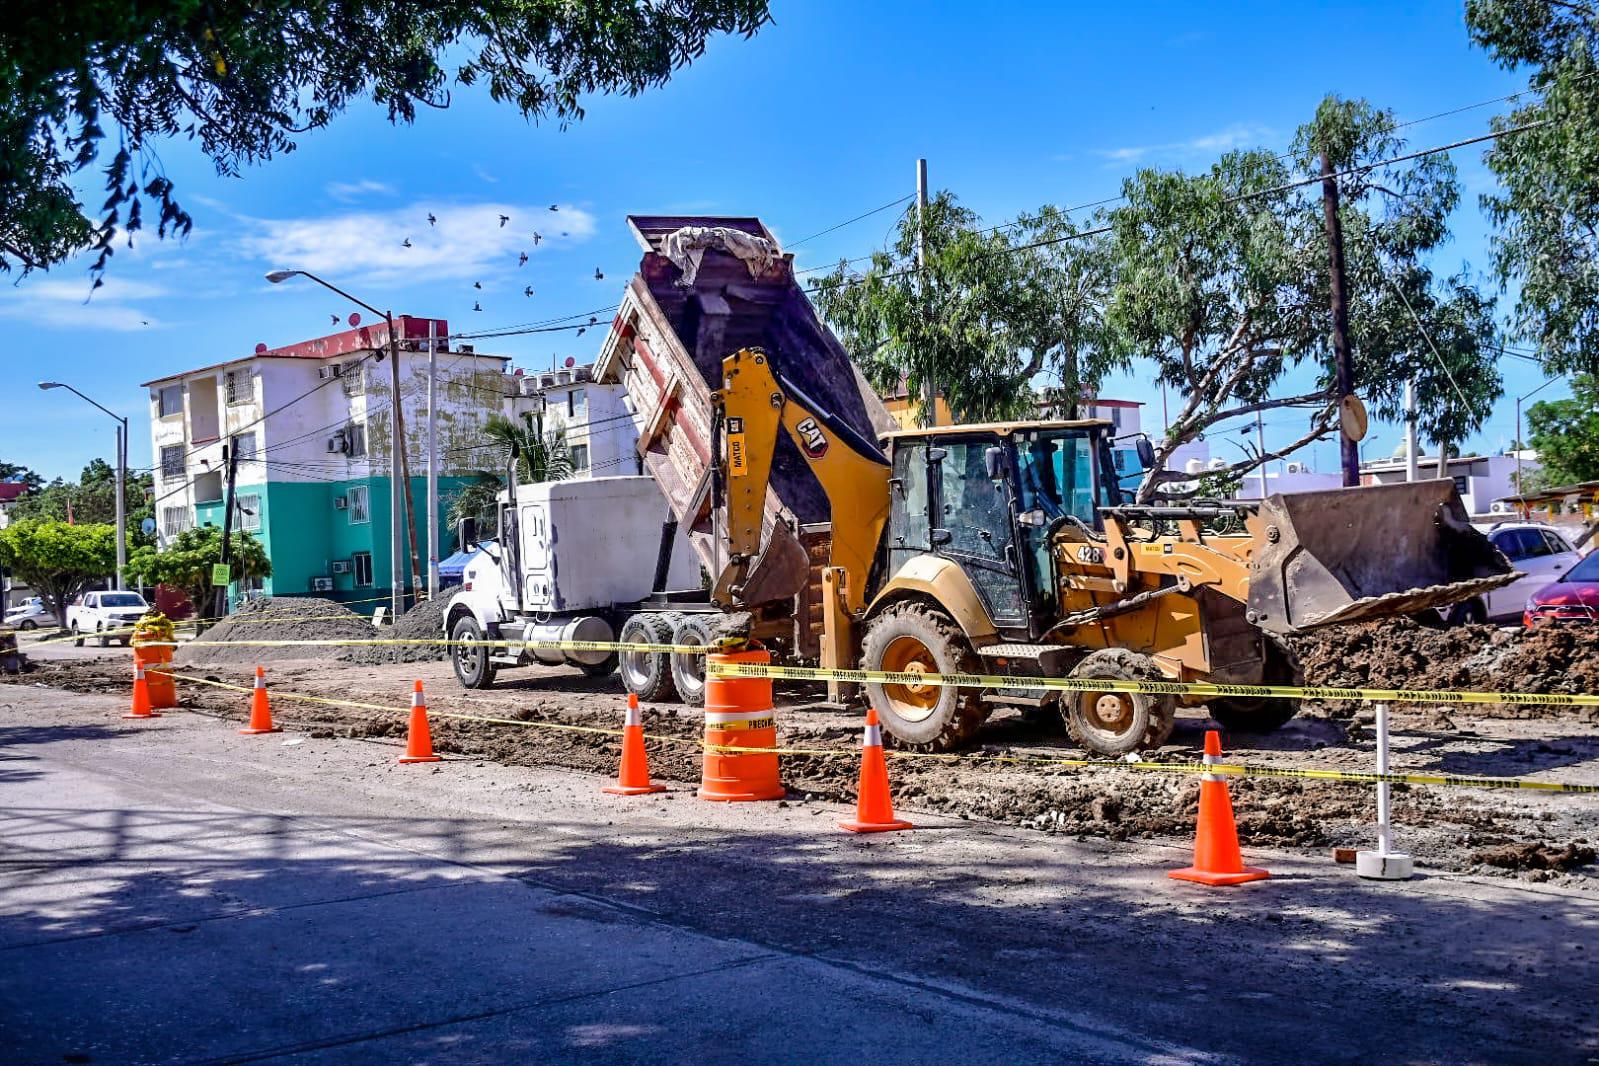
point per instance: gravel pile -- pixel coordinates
(288, 618)
(425, 621)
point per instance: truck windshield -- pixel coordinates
(1058, 475)
(121, 599)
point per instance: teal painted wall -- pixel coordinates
(303, 533)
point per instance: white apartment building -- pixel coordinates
(594, 419)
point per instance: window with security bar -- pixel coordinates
(240, 385)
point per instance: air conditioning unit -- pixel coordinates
(321, 584)
(338, 444)
(340, 566)
(333, 370)
(340, 503)
(1295, 468)
(546, 381)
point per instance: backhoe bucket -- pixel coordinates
(1370, 552)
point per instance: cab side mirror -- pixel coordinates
(1146, 453)
(993, 462)
(467, 533)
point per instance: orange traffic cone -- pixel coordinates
(141, 695)
(634, 777)
(419, 739)
(874, 810)
(1217, 860)
(260, 709)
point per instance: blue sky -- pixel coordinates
(817, 119)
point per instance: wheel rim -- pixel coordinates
(636, 672)
(1111, 715)
(910, 701)
(690, 666)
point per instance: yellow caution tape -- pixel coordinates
(1227, 769)
(1179, 688)
(564, 645)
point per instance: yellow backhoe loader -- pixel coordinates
(1012, 549)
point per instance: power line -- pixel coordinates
(851, 221)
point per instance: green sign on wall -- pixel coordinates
(221, 574)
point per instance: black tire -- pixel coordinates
(77, 636)
(647, 674)
(125, 641)
(105, 641)
(1259, 714)
(604, 668)
(1468, 612)
(473, 667)
(913, 637)
(1116, 723)
(28, 625)
(688, 668)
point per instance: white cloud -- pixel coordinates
(350, 191)
(467, 242)
(477, 168)
(1237, 135)
(69, 304)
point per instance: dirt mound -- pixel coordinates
(1536, 857)
(1401, 653)
(425, 621)
(288, 618)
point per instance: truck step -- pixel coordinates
(1033, 660)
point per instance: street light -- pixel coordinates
(396, 449)
(122, 472)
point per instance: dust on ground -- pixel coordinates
(1008, 777)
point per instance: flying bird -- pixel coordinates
(536, 238)
(503, 220)
(528, 291)
(476, 306)
(335, 320)
(521, 260)
(406, 243)
(431, 219)
(580, 331)
(553, 207)
(592, 320)
(477, 284)
(597, 275)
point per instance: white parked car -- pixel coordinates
(1540, 552)
(31, 613)
(111, 613)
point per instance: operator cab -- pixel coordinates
(993, 497)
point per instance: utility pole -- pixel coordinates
(929, 386)
(433, 462)
(400, 473)
(1412, 458)
(1349, 454)
(1260, 442)
(122, 500)
(230, 455)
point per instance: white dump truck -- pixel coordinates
(593, 559)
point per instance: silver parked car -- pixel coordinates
(1542, 553)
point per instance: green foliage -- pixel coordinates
(1565, 434)
(187, 560)
(245, 79)
(93, 498)
(58, 560)
(984, 318)
(539, 458)
(1222, 280)
(1547, 206)
(18, 472)
(477, 499)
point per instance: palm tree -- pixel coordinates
(539, 458)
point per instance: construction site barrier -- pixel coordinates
(1229, 769)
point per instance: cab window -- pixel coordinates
(1057, 475)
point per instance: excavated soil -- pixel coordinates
(290, 618)
(1400, 653)
(1007, 778)
(424, 622)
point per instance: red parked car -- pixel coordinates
(1574, 596)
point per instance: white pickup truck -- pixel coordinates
(111, 613)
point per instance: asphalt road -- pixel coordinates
(172, 891)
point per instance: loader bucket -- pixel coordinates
(1370, 552)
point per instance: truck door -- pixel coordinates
(973, 525)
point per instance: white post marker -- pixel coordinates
(1384, 864)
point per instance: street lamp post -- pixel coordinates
(122, 473)
(398, 519)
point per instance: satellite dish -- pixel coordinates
(519, 372)
(570, 361)
(1352, 418)
(259, 348)
(148, 525)
(354, 319)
